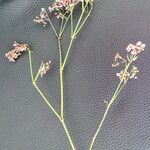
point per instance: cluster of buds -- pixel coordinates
(124, 75)
(118, 59)
(133, 72)
(42, 18)
(135, 49)
(61, 7)
(13, 54)
(44, 68)
(128, 72)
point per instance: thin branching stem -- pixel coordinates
(62, 27)
(119, 88)
(52, 26)
(30, 63)
(62, 63)
(61, 79)
(72, 24)
(49, 104)
(68, 135)
(68, 51)
(46, 100)
(38, 73)
(75, 31)
(65, 24)
(37, 88)
(84, 21)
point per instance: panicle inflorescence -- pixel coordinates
(42, 18)
(44, 68)
(59, 8)
(135, 49)
(132, 55)
(13, 54)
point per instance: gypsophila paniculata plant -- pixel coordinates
(129, 71)
(64, 11)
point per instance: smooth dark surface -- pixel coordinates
(26, 123)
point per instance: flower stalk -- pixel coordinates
(63, 10)
(124, 76)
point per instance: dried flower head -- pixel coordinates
(13, 54)
(118, 59)
(42, 18)
(133, 72)
(123, 74)
(44, 68)
(61, 7)
(129, 72)
(135, 49)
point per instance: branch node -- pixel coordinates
(73, 37)
(59, 37)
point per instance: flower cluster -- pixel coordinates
(135, 49)
(133, 72)
(44, 68)
(42, 18)
(59, 8)
(118, 59)
(123, 74)
(13, 54)
(129, 72)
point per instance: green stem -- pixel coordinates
(72, 24)
(52, 26)
(75, 31)
(62, 23)
(80, 18)
(38, 73)
(57, 115)
(68, 135)
(48, 103)
(104, 117)
(84, 21)
(61, 85)
(61, 79)
(109, 104)
(60, 70)
(65, 24)
(30, 63)
(68, 51)
(37, 88)
(46, 100)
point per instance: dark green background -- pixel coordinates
(26, 123)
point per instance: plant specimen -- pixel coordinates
(128, 72)
(64, 11)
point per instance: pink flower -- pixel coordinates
(61, 7)
(135, 49)
(42, 18)
(13, 54)
(44, 68)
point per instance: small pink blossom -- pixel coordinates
(42, 18)
(13, 54)
(133, 72)
(61, 7)
(135, 49)
(44, 68)
(122, 74)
